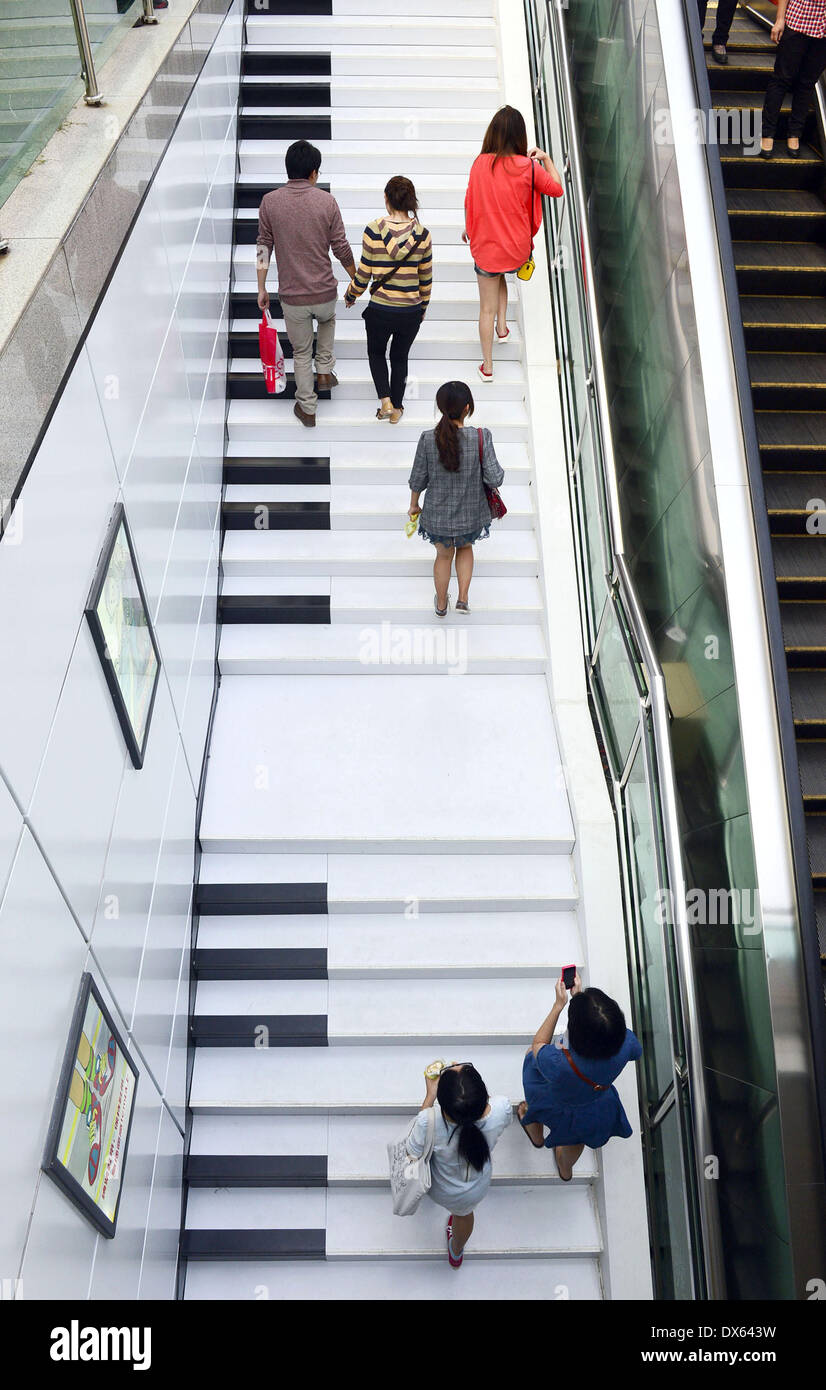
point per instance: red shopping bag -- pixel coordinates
(272, 356)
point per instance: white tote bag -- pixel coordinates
(410, 1177)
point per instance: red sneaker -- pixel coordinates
(454, 1263)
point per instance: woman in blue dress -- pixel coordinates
(568, 1080)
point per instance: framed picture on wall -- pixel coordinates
(118, 616)
(88, 1141)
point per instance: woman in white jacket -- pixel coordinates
(468, 1124)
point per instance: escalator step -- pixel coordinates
(808, 692)
(788, 380)
(816, 836)
(804, 633)
(791, 323)
(776, 267)
(744, 170)
(800, 566)
(786, 213)
(792, 439)
(811, 758)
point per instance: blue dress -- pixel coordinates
(571, 1109)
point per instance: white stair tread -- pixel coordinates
(355, 1145)
(455, 1011)
(335, 781)
(366, 552)
(359, 598)
(263, 868)
(441, 882)
(249, 1208)
(378, 451)
(261, 930)
(353, 50)
(511, 1221)
(424, 649)
(344, 498)
(312, 1080)
(357, 1151)
(393, 29)
(379, 1280)
(376, 945)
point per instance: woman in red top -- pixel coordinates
(501, 219)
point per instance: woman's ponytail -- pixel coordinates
(451, 400)
(473, 1146)
(463, 1099)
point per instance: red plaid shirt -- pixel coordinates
(807, 17)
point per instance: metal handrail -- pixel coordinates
(710, 1228)
(93, 96)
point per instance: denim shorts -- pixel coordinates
(492, 274)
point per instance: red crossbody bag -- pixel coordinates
(497, 506)
(572, 1064)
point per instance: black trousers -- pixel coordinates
(725, 16)
(798, 64)
(398, 327)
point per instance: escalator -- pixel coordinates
(777, 217)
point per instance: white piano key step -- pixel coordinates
(358, 508)
(335, 783)
(381, 1281)
(380, 648)
(368, 553)
(366, 600)
(393, 30)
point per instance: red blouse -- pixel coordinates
(498, 217)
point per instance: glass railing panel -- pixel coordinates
(40, 69)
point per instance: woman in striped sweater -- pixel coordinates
(397, 256)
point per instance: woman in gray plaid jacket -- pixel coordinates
(455, 512)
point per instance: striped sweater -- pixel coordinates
(383, 246)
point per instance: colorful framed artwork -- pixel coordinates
(118, 616)
(88, 1141)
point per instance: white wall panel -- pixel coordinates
(117, 1265)
(126, 338)
(153, 485)
(42, 954)
(167, 935)
(60, 1249)
(47, 562)
(109, 849)
(119, 930)
(77, 790)
(11, 828)
(160, 1255)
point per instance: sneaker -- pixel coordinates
(482, 374)
(454, 1263)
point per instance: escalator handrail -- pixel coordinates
(711, 1234)
(807, 919)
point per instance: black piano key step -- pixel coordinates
(249, 195)
(250, 386)
(267, 8)
(260, 963)
(250, 899)
(258, 1030)
(290, 469)
(253, 1244)
(298, 96)
(269, 62)
(276, 516)
(274, 608)
(256, 1170)
(253, 126)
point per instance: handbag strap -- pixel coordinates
(379, 284)
(572, 1064)
(530, 206)
(430, 1133)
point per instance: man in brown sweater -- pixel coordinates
(302, 224)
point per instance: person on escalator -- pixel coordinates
(568, 1083)
(722, 27)
(800, 34)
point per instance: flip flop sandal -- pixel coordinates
(525, 1127)
(503, 336)
(454, 1263)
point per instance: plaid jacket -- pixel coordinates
(455, 503)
